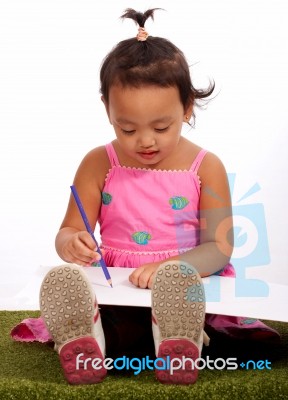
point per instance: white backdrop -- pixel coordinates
(51, 113)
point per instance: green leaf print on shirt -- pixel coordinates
(141, 237)
(178, 202)
(106, 198)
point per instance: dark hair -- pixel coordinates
(155, 61)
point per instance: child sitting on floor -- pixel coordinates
(150, 190)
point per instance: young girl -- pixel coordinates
(164, 208)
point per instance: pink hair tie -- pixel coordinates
(142, 35)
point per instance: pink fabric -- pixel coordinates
(30, 330)
(242, 328)
(149, 215)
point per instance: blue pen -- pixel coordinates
(89, 230)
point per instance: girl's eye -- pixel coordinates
(128, 132)
(162, 129)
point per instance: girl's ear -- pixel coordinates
(188, 113)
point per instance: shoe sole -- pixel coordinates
(178, 305)
(67, 304)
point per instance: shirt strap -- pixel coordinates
(198, 160)
(112, 155)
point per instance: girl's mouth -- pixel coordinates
(148, 154)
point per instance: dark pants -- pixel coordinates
(128, 331)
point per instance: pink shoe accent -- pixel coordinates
(78, 372)
(96, 316)
(178, 348)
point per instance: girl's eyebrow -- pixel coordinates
(123, 121)
(126, 121)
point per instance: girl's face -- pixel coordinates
(147, 121)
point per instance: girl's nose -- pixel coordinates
(147, 141)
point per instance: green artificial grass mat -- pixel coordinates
(32, 371)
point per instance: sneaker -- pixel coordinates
(71, 314)
(178, 315)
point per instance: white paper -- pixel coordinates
(272, 306)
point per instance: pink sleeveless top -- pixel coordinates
(148, 215)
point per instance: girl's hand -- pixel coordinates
(80, 249)
(143, 276)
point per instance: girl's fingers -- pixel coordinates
(83, 259)
(150, 281)
(140, 277)
(143, 276)
(86, 238)
(134, 277)
(82, 251)
(79, 260)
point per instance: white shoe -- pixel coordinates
(71, 314)
(178, 316)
